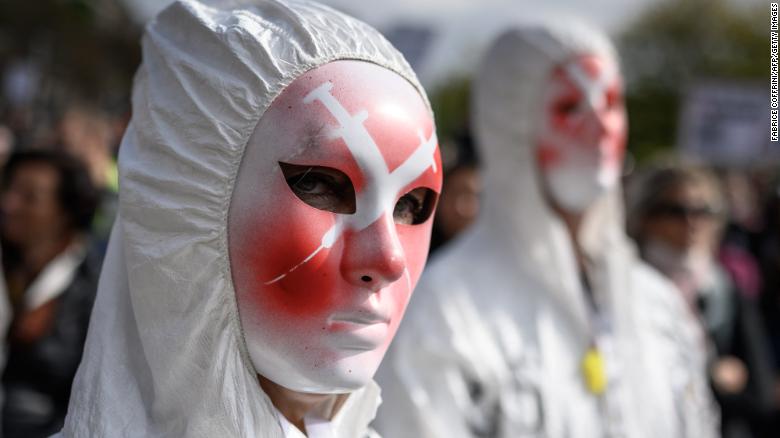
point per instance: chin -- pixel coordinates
(352, 371)
(348, 372)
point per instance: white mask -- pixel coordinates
(581, 141)
(325, 256)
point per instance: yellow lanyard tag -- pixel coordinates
(594, 371)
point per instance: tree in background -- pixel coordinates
(450, 103)
(673, 45)
(664, 50)
(63, 51)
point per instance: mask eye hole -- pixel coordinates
(614, 98)
(323, 188)
(567, 107)
(415, 207)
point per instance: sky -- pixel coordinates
(460, 29)
(383, 12)
(463, 28)
(378, 12)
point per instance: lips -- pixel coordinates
(359, 317)
(361, 329)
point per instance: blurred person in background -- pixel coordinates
(678, 222)
(541, 320)
(47, 203)
(459, 201)
(5, 320)
(21, 80)
(7, 143)
(741, 233)
(88, 134)
(769, 256)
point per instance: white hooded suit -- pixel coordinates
(494, 337)
(165, 355)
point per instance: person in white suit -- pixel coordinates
(276, 187)
(541, 321)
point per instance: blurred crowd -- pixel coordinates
(57, 203)
(714, 232)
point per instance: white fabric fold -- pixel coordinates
(55, 277)
(356, 414)
(165, 355)
(494, 336)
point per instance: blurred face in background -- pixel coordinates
(87, 135)
(330, 224)
(581, 140)
(685, 219)
(31, 211)
(459, 202)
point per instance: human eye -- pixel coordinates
(567, 106)
(321, 187)
(614, 98)
(414, 207)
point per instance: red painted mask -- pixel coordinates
(581, 141)
(330, 224)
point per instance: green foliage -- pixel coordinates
(450, 103)
(86, 48)
(676, 44)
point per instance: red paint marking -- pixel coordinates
(268, 245)
(571, 122)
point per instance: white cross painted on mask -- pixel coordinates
(382, 186)
(594, 89)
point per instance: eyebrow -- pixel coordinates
(312, 137)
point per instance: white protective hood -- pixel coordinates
(500, 320)
(165, 355)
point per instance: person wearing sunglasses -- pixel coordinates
(540, 320)
(678, 220)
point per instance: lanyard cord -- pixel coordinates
(595, 368)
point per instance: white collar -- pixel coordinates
(56, 276)
(351, 420)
